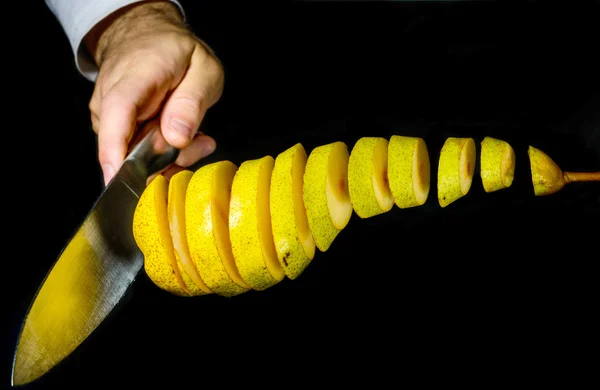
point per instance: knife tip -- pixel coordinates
(17, 378)
(21, 372)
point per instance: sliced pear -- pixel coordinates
(178, 185)
(497, 164)
(455, 169)
(153, 238)
(368, 184)
(294, 242)
(548, 178)
(250, 225)
(409, 171)
(326, 195)
(207, 226)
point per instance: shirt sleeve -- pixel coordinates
(78, 17)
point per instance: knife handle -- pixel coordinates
(146, 158)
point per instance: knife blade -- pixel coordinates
(92, 272)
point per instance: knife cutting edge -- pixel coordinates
(93, 271)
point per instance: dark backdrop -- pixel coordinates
(316, 72)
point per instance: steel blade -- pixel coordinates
(90, 276)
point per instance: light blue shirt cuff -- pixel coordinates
(78, 18)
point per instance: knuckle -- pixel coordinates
(113, 96)
(192, 99)
(109, 154)
(117, 98)
(92, 105)
(219, 89)
(104, 156)
(94, 123)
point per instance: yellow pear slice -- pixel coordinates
(408, 170)
(294, 242)
(326, 195)
(549, 178)
(207, 225)
(368, 185)
(455, 169)
(497, 164)
(250, 225)
(153, 238)
(178, 185)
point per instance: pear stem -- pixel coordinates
(571, 177)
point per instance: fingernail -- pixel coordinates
(182, 128)
(208, 149)
(109, 172)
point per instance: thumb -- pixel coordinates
(185, 108)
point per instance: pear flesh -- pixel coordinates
(368, 183)
(456, 168)
(326, 195)
(153, 238)
(250, 225)
(548, 178)
(497, 164)
(207, 226)
(408, 171)
(294, 242)
(176, 213)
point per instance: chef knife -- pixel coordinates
(93, 271)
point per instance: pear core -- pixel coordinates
(264, 219)
(421, 172)
(508, 167)
(467, 165)
(338, 195)
(381, 186)
(220, 197)
(176, 213)
(304, 233)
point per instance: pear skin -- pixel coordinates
(294, 242)
(548, 178)
(368, 183)
(178, 185)
(250, 225)
(497, 164)
(207, 226)
(326, 195)
(408, 171)
(455, 169)
(153, 238)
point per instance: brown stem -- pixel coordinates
(571, 177)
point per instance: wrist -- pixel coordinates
(133, 20)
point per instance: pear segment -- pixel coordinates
(207, 225)
(326, 195)
(546, 175)
(178, 185)
(456, 168)
(370, 193)
(250, 225)
(409, 171)
(497, 164)
(153, 238)
(294, 242)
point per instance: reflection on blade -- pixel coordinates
(87, 281)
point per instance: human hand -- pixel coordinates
(153, 71)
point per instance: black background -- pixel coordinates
(490, 268)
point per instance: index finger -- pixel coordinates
(118, 118)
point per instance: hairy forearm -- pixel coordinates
(135, 19)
